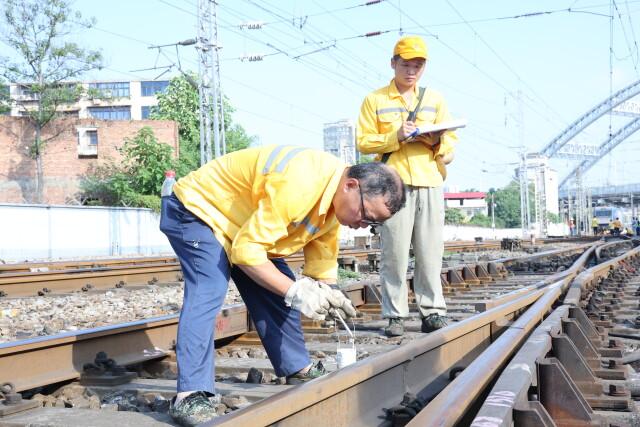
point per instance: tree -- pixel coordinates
(38, 31)
(453, 216)
(180, 102)
(480, 220)
(507, 202)
(136, 180)
(553, 218)
(4, 98)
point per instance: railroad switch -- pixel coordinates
(105, 372)
(11, 402)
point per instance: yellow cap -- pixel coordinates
(410, 47)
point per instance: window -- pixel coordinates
(146, 111)
(111, 89)
(110, 113)
(92, 135)
(87, 143)
(150, 88)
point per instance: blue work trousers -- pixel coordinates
(206, 272)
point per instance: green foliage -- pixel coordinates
(507, 202)
(137, 179)
(365, 158)
(347, 274)
(38, 31)
(5, 106)
(180, 103)
(453, 216)
(553, 218)
(480, 220)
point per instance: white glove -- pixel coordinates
(306, 296)
(339, 301)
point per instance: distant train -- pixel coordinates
(605, 214)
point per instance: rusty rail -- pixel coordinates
(356, 395)
(41, 361)
(562, 362)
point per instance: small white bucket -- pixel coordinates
(346, 356)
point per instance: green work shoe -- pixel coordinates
(395, 328)
(433, 322)
(315, 371)
(193, 410)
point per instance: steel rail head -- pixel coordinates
(452, 403)
(328, 390)
(511, 388)
(449, 406)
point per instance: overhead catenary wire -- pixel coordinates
(172, 63)
(469, 62)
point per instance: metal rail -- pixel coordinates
(509, 400)
(357, 395)
(29, 279)
(454, 401)
(41, 361)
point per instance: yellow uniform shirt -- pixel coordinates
(382, 114)
(594, 222)
(269, 202)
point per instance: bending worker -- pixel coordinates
(388, 118)
(237, 216)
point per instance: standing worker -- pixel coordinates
(617, 226)
(595, 225)
(237, 216)
(388, 117)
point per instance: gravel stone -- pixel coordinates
(22, 318)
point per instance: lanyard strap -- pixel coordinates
(410, 118)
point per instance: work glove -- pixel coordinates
(339, 303)
(307, 296)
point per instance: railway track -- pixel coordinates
(483, 299)
(440, 379)
(40, 278)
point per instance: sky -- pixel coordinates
(519, 72)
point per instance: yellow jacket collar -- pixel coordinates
(393, 90)
(332, 187)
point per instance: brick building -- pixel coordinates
(76, 145)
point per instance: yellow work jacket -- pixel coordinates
(382, 114)
(270, 202)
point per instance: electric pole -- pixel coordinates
(208, 69)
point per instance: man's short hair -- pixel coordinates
(378, 179)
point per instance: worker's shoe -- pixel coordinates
(193, 410)
(395, 328)
(315, 371)
(433, 322)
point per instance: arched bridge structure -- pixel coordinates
(588, 118)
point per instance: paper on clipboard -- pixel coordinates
(436, 127)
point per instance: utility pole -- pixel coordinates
(208, 67)
(493, 216)
(524, 194)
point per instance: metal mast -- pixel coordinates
(524, 194)
(207, 88)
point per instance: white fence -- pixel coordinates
(32, 232)
(464, 232)
(35, 232)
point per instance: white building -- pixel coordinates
(469, 203)
(339, 140)
(545, 180)
(113, 100)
